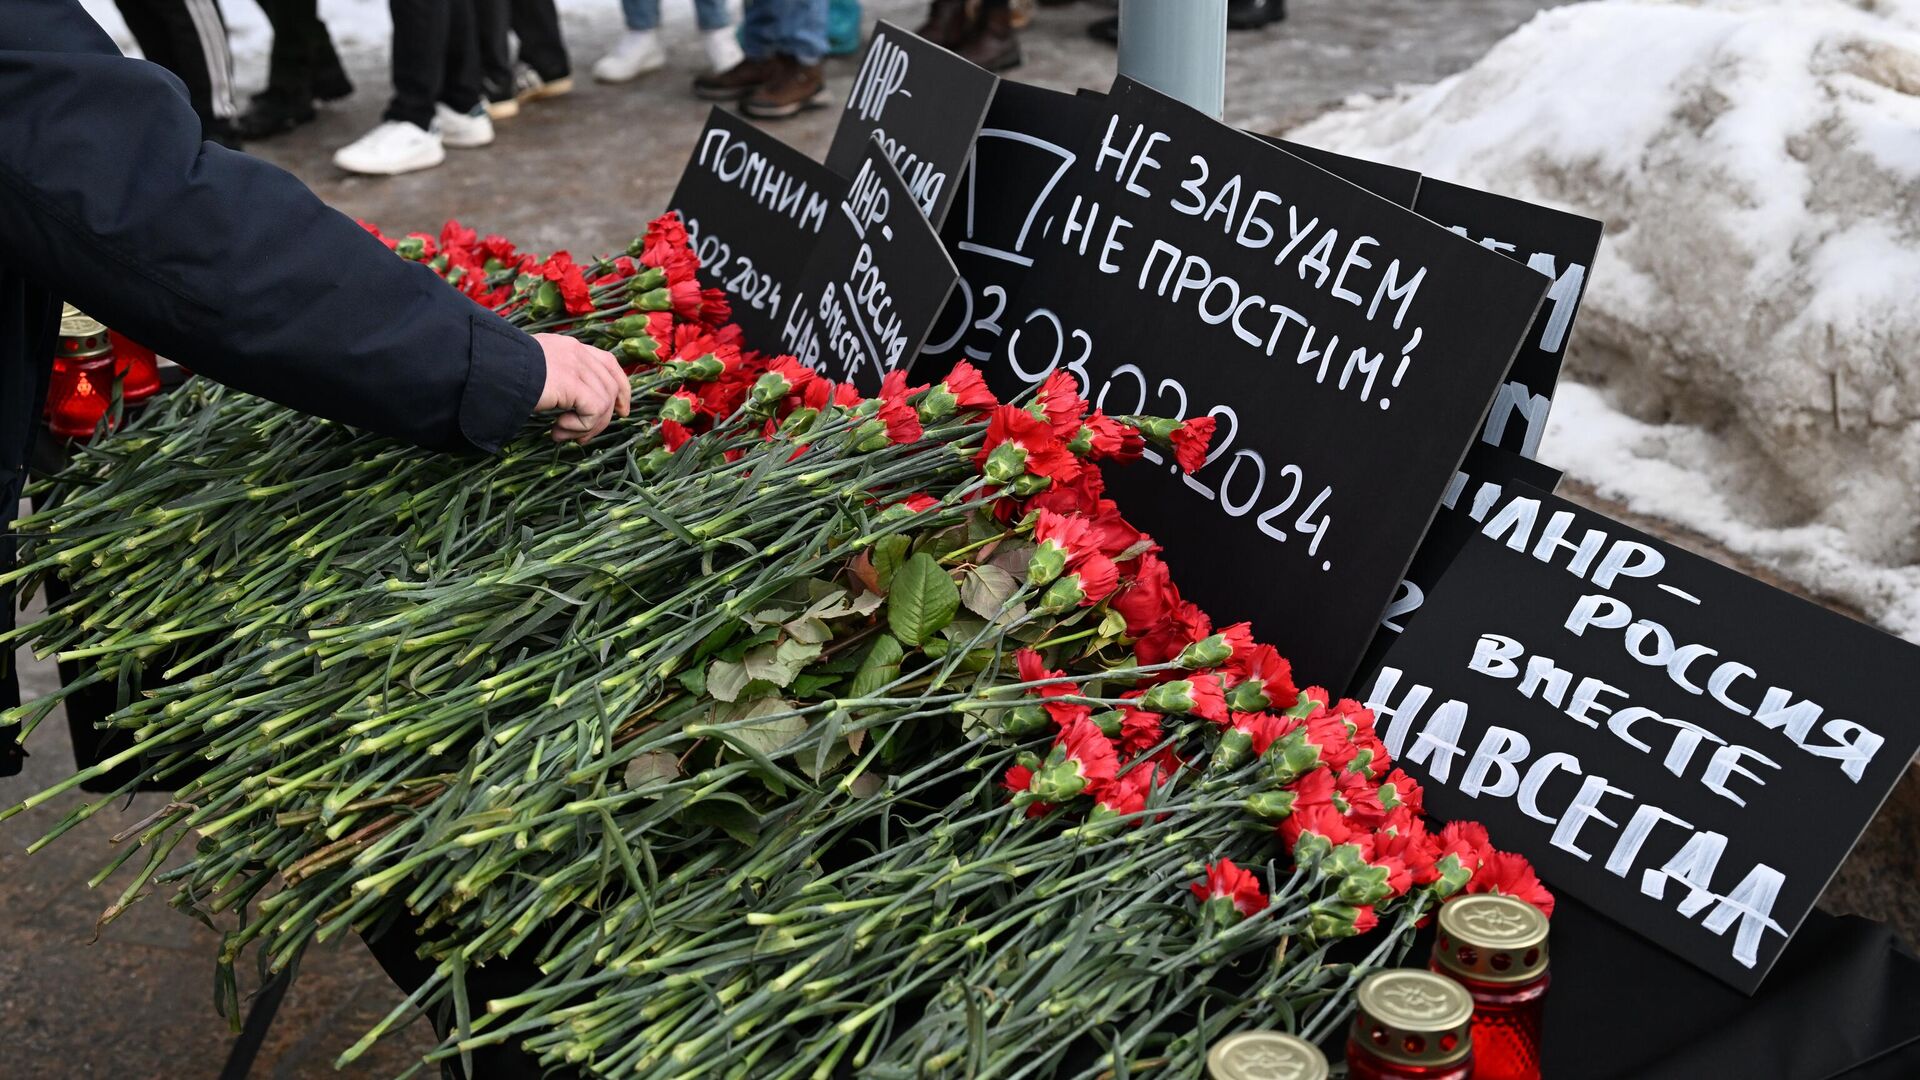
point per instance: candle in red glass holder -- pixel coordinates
(1265, 1055)
(1410, 1025)
(1496, 947)
(139, 368)
(81, 389)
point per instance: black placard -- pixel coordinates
(1584, 689)
(874, 284)
(754, 208)
(1028, 146)
(1391, 182)
(924, 104)
(1559, 245)
(1487, 473)
(1328, 462)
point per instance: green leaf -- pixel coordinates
(808, 630)
(880, 667)
(768, 736)
(779, 664)
(921, 600)
(725, 680)
(653, 767)
(986, 589)
(889, 555)
(736, 821)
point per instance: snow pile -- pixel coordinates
(1756, 304)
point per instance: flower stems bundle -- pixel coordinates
(790, 733)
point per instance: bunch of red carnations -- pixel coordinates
(788, 731)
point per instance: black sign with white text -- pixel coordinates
(1557, 244)
(754, 208)
(1487, 474)
(1029, 144)
(1346, 348)
(925, 106)
(1687, 750)
(874, 285)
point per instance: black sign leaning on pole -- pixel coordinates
(874, 284)
(1030, 142)
(1487, 473)
(1561, 246)
(1391, 182)
(754, 208)
(1346, 348)
(1687, 750)
(924, 104)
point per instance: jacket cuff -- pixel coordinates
(505, 373)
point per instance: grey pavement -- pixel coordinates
(585, 172)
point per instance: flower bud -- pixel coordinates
(937, 404)
(638, 350)
(1049, 562)
(770, 388)
(1291, 757)
(1063, 595)
(412, 248)
(546, 301)
(1029, 484)
(1249, 696)
(1026, 720)
(678, 408)
(1007, 463)
(1208, 652)
(1231, 751)
(1058, 781)
(1110, 722)
(1169, 697)
(1332, 919)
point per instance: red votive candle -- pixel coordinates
(139, 368)
(81, 389)
(1496, 948)
(1411, 1025)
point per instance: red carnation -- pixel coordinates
(1035, 449)
(903, 424)
(1149, 600)
(1060, 403)
(1190, 442)
(1184, 625)
(1139, 730)
(969, 388)
(1239, 888)
(1510, 874)
(1034, 669)
(1264, 665)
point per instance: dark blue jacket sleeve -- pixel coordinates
(109, 198)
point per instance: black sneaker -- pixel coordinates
(332, 85)
(268, 115)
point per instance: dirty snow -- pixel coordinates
(1748, 340)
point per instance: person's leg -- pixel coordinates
(946, 24)
(492, 23)
(460, 87)
(420, 29)
(797, 83)
(290, 61)
(993, 43)
(716, 34)
(330, 81)
(760, 37)
(188, 38)
(641, 14)
(712, 14)
(542, 47)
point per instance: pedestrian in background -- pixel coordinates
(189, 38)
(639, 50)
(982, 32)
(784, 42)
(843, 27)
(438, 100)
(301, 69)
(542, 70)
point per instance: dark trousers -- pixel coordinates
(537, 24)
(303, 65)
(436, 57)
(188, 38)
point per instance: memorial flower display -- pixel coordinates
(788, 731)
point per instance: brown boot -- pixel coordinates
(947, 23)
(737, 81)
(993, 44)
(795, 87)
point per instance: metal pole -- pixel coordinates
(1178, 47)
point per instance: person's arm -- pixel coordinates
(230, 265)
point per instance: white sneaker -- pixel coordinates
(390, 149)
(463, 130)
(636, 53)
(723, 49)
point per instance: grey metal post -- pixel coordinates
(1178, 47)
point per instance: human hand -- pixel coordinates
(585, 384)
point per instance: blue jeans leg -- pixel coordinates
(712, 14)
(805, 30)
(641, 14)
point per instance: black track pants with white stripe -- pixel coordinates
(188, 38)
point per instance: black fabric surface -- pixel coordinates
(1843, 1001)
